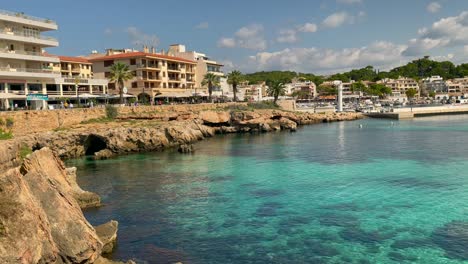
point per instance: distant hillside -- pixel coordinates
(416, 69)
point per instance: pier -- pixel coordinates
(410, 113)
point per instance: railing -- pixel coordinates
(23, 34)
(22, 52)
(22, 15)
(173, 69)
(8, 69)
(154, 66)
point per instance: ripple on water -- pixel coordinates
(453, 239)
(267, 193)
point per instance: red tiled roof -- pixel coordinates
(141, 54)
(74, 59)
(67, 58)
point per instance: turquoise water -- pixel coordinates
(329, 193)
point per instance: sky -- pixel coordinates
(311, 36)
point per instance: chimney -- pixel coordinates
(145, 49)
(153, 50)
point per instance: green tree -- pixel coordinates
(325, 89)
(211, 80)
(358, 87)
(300, 94)
(378, 89)
(276, 89)
(411, 92)
(234, 78)
(432, 94)
(120, 73)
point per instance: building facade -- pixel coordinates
(204, 64)
(401, 85)
(155, 75)
(24, 67)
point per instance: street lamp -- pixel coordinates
(77, 81)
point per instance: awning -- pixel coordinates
(12, 96)
(87, 95)
(174, 95)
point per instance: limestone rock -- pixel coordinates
(215, 118)
(184, 148)
(287, 124)
(108, 235)
(103, 154)
(84, 198)
(41, 220)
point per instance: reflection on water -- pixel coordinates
(329, 193)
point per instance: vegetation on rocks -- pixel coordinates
(111, 112)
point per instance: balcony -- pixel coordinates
(23, 37)
(24, 72)
(174, 69)
(21, 18)
(26, 55)
(147, 66)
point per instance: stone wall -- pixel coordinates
(27, 122)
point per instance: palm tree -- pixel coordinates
(211, 80)
(234, 78)
(119, 73)
(276, 89)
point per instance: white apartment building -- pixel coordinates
(31, 77)
(204, 64)
(24, 68)
(434, 84)
(307, 87)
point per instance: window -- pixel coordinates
(132, 61)
(108, 63)
(12, 47)
(107, 74)
(111, 86)
(164, 74)
(164, 85)
(134, 84)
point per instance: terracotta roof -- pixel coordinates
(141, 54)
(68, 59)
(74, 59)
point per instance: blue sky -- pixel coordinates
(319, 36)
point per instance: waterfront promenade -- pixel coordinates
(409, 113)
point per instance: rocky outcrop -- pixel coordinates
(184, 148)
(108, 235)
(41, 220)
(85, 199)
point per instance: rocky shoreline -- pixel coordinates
(40, 202)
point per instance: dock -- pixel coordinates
(410, 113)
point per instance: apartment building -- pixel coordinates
(434, 84)
(307, 87)
(155, 75)
(76, 79)
(401, 85)
(24, 67)
(204, 64)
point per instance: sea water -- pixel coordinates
(384, 192)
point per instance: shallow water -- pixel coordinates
(329, 193)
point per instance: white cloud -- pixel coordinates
(465, 49)
(450, 31)
(379, 54)
(350, 1)
(248, 37)
(433, 7)
(138, 38)
(338, 19)
(108, 31)
(308, 27)
(227, 43)
(287, 36)
(203, 25)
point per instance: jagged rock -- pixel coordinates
(42, 222)
(287, 124)
(103, 260)
(84, 198)
(108, 235)
(103, 154)
(215, 118)
(184, 148)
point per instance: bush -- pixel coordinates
(111, 112)
(5, 134)
(9, 123)
(263, 105)
(24, 151)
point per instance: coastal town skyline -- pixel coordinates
(304, 37)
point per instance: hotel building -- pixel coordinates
(204, 64)
(155, 75)
(24, 68)
(28, 75)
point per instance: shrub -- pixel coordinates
(111, 112)
(24, 151)
(9, 123)
(5, 134)
(263, 105)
